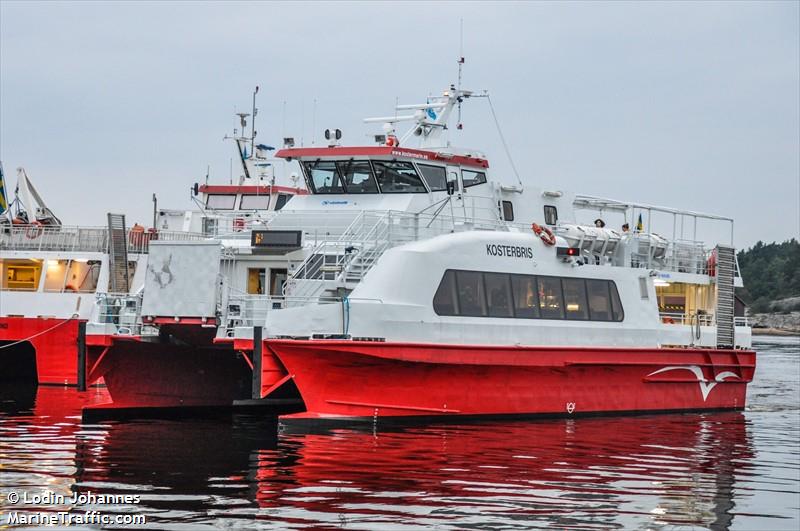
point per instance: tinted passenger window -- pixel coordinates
(526, 304)
(281, 201)
(398, 178)
(471, 300)
(435, 176)
(472, 178)
(498, 294)
(550, 302)
(599, 300)
(444, 302)
(358, 178)
(575, 298)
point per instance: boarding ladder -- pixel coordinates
(726, 267)
(119, 278)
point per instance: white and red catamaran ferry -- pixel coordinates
(418, 286)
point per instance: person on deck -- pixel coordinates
(599, 223)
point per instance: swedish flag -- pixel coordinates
(639, 224)
(3, 200)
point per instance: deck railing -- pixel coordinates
(81, 239)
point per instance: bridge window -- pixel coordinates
(255, 202)
(358, 178)
(484, 294)
(472, 178)
(435, 176)
(221, 201)
(324, 177)
(281, 201)
(397, 177)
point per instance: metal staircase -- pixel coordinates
(726, 268)
(119, 277)
(344, 262)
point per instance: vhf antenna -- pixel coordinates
(253, 123)
(460, 66)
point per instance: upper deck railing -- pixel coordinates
(80, 239)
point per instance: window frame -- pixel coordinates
(309, 167)
(233, 202)
(510, 205)
(375, 163)
(343, 180)
(616, 311)
(421, 172)
(245, 196)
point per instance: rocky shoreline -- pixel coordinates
(775, 323)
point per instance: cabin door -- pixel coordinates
(457, 199)
(277, 279)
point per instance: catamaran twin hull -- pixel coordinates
(352, 380)
(39, 349)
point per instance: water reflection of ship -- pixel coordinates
(607, 472)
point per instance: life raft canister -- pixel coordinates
(34, 230)
(545, 234)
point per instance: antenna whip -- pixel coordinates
(503, 140)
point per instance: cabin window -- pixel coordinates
(21, 275)
(599, 300)
(453, 179)
(484, 294)
(358, 178)
(508, 211)
(551, 305)
(256, 280)
(82, 275)
(471, 299)
(445, 301)
(255, 202)
(281, 201)
(472, 178)
(526, 304)
(221, 201)
(575, 298)
(643, 291)
(324, 177)
(435, 176)
(550, 215)
(397, 177)
(55, 273)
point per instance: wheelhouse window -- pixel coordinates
(323, 177)
(396, 177)
(550, 215)
(505, 295)
(435, 176)
(357, 176)
(255, 202)
(221, 201)
(281, 201)
(472, 178)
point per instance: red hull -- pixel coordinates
(359, 380)
(143, 374)
(54, 342)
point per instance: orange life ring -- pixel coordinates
(545, 234)
(391, 141)
(34, 230)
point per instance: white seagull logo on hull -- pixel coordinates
(705, 385)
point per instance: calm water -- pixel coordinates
(694, 471)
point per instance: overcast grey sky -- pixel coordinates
(692, 105)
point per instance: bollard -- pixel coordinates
(256, 391)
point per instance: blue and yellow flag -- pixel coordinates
(3, 199)
(639, 224)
